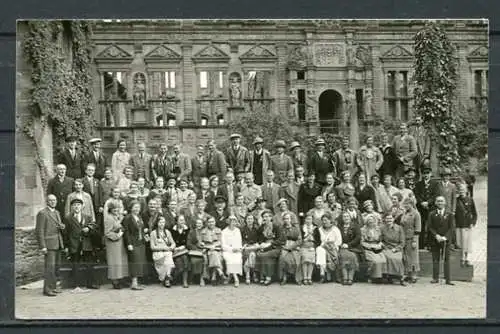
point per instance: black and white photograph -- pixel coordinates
(251, 169)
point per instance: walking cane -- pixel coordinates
(443, 254)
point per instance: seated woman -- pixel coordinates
(180, 232)
(369, 211)
(318, 211)
(350, 248)
(393, 241)
(162, 245)
(250, 237)
(396, 208)
(290, 239)
(282, 209)
(232, 247)
(327, 256)
(196, 253)
(372, 248)
(351, 207)
(269, 251)
(332, 204)
(310, 240)
(211, 237)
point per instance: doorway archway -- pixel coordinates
(330, 111)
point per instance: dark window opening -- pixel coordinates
(301, 75)
(301, 96)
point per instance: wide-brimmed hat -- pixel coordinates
(294, 144)
(234, 136)
(95, 140)
(280, 143)
(320, 141)
(258, 140)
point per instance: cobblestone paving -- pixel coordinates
(327, 301)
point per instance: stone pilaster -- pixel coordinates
(378, 92)
(187, 85)
(282, 91)
(465, 82)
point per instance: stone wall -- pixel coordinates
(29, 261)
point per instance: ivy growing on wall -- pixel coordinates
(59, 53)
(435, 85)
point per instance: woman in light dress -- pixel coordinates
(310, 240)
(318, 211)
(405, 192)
(120, 159)
(116, 254)
(211, 237)
(369, 159)
(393, 241)
(125, 180)
(327, 256)
(162, 245)
(372, 248)
(232, 249)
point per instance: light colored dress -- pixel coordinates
(164, 263)
(370, 159)
(327, 252)
(411, 223)
(231, 241)
(393, 237)
(377, 263)
(385, 197)
(118, 162)
(116, 254)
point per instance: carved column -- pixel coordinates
(188, 81)
(378, 82)
(397, 84)
(281, 91)
(312, 103)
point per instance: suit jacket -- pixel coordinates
(100, 164)
(345, 160)
(239, 160)
(74, 167)
(142, 167)
(216, 164)
(320, 166)
(209, 198)
(220, 219)
(450, 194)
(300, 160)
(465, 214)
(181, 165)
(442, 225)
(422, 139)
(281, 165)
(306, 197)
(161, 166)
(290, 192)
(61, 190)
(198, 168)
(96, 193)
(405, 149)
(224, 191)
(76, 239)
(266, 161)
(49, 228)
(133, 231)
(368, 193)
(390, 161)
(188, 215)
(425, 193)
(270, 195)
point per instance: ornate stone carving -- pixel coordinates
(350, 102)
(258, 52)
(480, 53)
(299, 57)
(350, 52)
(211, 52)
(397, 52)
(363, 56)
(139, 90)
(114, 52)
(330, 54)
(163, 52)
(235, 89)
(368, 101)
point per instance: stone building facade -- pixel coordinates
(182, 81)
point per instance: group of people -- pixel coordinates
(248, 214)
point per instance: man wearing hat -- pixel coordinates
(345, 159)
(423, 141)
(220, 212)
(299, 159)
(260, 160)
(405, 148)
(320, 163)
(216, 162)
(198, 166)
(238, 157)
(424, 194)
(448, 190)
(71, 157)
(181, 164)
(80, 229)
(280, 162)
(96, 157)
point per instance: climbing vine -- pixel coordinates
(435, 85)
(59, 53)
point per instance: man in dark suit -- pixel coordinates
(320, 163)
(307, 194)
(220, 212)
(270, 191)
(80, 229)
(216, 162)
(49, 228)
(238, 157)
(141, 163)
(465, 220)
(72, 158)
(161, 164)
(441, 231)
(425, 195)
(181, 164)
(344, 159)
(60, 186)
(198, 166)
(96, 157)
(448, 190)
(405, 148)
(229, 190)
(92, 186)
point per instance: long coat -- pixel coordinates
(61, 190)
(290, 192)
(238, 160)
(49, 229)
(369, 161)
(116, 254)
(465, 214)
(390, 161)
(198, 168)
(100, 163)
(74, 167)
(345, 160)
(266, 162)
(320, 166)
(216, 164)
(142, 166)
(405, 149)
(118, 162)
(281, 165)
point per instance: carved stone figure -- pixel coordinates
(299, 57)
(235, 89)
(350, 53)
(368, 100)
(139, 90)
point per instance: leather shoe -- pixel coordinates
(49, 293)
(435, 281)
(58, 290)
(449, 283)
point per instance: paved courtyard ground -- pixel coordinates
(327, 301)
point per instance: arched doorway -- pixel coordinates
(330, 111)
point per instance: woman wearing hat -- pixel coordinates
(393, 241)
(119, 159)
(350, 248)
(162, 246)
(369, 211)
(345, 189)
(116, 254)
(281, 163)
(290, 239)
(260, 161)
(299, 159)
(411, 223)
(270, 249)
(232, 246)
(327, 256)
(372, 249)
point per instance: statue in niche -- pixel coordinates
(368, 100)
(139, 95)
(299, 57)
(235, 89)
(350, 53)
(350, 100)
